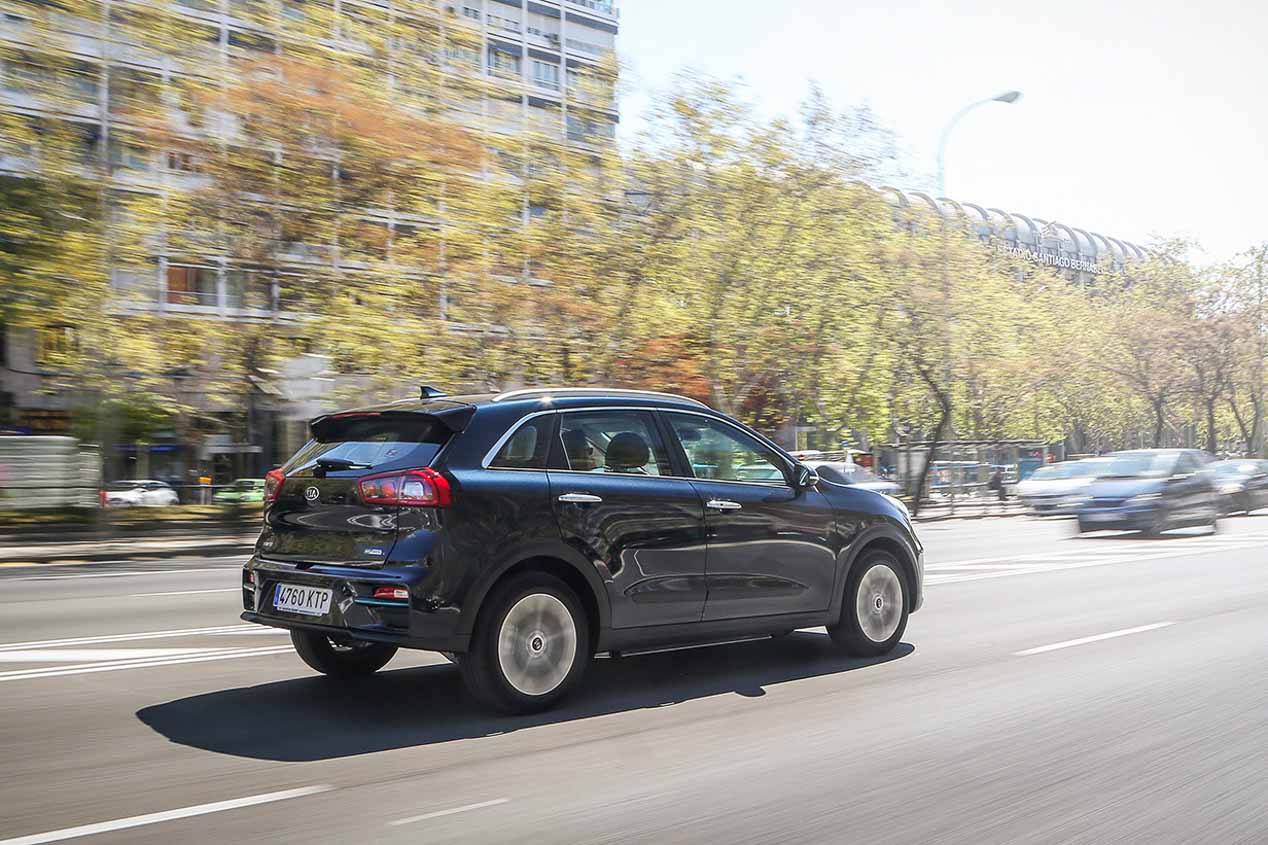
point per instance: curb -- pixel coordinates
(942, 517)
(122, 555)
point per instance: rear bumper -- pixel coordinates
(414, 623)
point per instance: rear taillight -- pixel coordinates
(273, 484)
(391, 594)
(410, 487)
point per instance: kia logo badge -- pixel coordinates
(311, 494)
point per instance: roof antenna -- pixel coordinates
(429, 392)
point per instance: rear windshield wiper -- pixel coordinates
(340, 463)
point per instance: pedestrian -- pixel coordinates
(997, 484)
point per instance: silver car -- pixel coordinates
(1053, 490)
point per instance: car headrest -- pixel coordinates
(626, 450)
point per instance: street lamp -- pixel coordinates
(1006, 97)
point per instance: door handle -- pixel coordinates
(723, 505)
(582, 498)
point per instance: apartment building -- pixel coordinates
(542, 66)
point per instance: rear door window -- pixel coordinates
(624, 442)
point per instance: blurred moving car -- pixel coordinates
(1054, 490)
(241, 491)
(139, 493)
(1151, 490)
(1242, 484)
(841, 472)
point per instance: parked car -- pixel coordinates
(139, 493)
(522, 533)
(853, 475)
(1054, 489)
(241, 491)
(1242, 484)
(1151, 490)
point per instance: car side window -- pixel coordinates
(527, 447)
(624, 442)
(718, 451)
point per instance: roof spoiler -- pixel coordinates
(453, 417)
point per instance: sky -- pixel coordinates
(1139, 118)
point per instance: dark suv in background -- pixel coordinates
(522, 533)
(1151, 491)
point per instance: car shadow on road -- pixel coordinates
(317, 718)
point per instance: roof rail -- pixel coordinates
(590, 391)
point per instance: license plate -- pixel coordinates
(1102, 517)
(309, 601)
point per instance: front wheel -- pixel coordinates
(530, 646)
(874, 608)
(341, 657)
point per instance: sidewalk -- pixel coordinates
(969, 509)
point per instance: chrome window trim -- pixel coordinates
(510, 432)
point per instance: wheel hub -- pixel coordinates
(537, 644)
(879, 603)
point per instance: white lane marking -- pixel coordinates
(464, 808)
(182, 593)
(165, 816)
(100, 655)
(37, 577)
(1180, 549)
(1084, 640)
(120, 638)
(147, 663)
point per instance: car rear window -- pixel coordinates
(374, 442)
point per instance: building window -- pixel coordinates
(469, 12)
(191, 286)
(546, 74)
(250, 289)
(182, 162)
(503, 63)
(54, 343)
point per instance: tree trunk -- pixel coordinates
(1160, 422)
(921, 480)
(1212, 444)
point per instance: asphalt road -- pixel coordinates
(135, 708)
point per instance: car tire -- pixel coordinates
(341, 659)
(874, 608)
(530, 647)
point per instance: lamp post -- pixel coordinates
(1006, 97)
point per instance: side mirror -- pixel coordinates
(806, 477)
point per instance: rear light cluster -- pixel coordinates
(391, 593)
(411, 487)
(273, 484)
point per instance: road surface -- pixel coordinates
(1054, 689)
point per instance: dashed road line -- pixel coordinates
(1084, 640)
(184, 593)
(438, 813)
(164, 816)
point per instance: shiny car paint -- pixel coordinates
(650, 562)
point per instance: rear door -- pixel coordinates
(318, 515)
(616, 504)
(771, 547)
